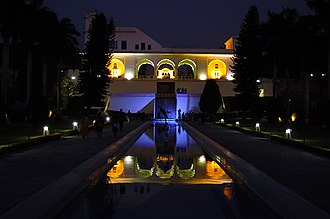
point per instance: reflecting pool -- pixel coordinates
(166, 174)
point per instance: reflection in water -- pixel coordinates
(166, 169)
(166, 152)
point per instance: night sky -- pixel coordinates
(175, 23)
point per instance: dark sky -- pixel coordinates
(175, 23)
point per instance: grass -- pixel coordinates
(313, 137)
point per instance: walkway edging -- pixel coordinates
(284, 201)
(52, 199)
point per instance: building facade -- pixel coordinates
(147, 77)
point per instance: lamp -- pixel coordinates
(75, 125)
(45, 131)
(288, 133)
(257, 127)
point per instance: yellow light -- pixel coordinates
(202, 159)
(227, 191)
(202, 77)
(50, 113)
(280, 119)
(293, 117)
(117, 170)
(213, 170)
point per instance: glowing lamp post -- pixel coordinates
(45, 131)
(257, 127)
(222, 121)
(288, 133)
(237, 124)
(107, 119)
(75, 125)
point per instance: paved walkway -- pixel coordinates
(24, 172)
(305, 173)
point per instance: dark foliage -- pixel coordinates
(75, 108)
(210, 100)
(38, 109)
(94, 78)
(245, 61)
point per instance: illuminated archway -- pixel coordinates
(117, 68)
(213, 170)
(186, 72)
(216, 69)
(117, 169)
(165, 69)
(141, 63)
(144, 173)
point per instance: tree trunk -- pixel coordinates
(275, 80)
(287, 97)
(5, 72)
(29, 75)
(44, 79)
(58, 93)
(306, 101)
(328, 67)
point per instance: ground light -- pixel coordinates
(222, 121)
(45, 131)
(257, 127)
(288, 133)
(75, 125)
(237, 124)
(107, 119)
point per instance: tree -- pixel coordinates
(94, 78)
(322, 15)
(210, 100)
(245, 61)
(10, 16)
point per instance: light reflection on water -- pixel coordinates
(166, 174)
(166, 154)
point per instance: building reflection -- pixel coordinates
(166, 154)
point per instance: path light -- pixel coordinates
(107, 119)
(75, 125)
(222, 121)
(288, 133)
(45, 131)
(257, 127)
(237, 124)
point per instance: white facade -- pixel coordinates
(136, 89)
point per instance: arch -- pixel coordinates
(190, 63)
(143, 62)
(117, 169)
(216, 69)
(168, 71)
(116, 68)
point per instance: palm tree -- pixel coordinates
(279, 38)
(59, 46)
(10, 16)
(34, 14)
(322, 16)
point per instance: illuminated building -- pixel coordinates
(146, 75)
